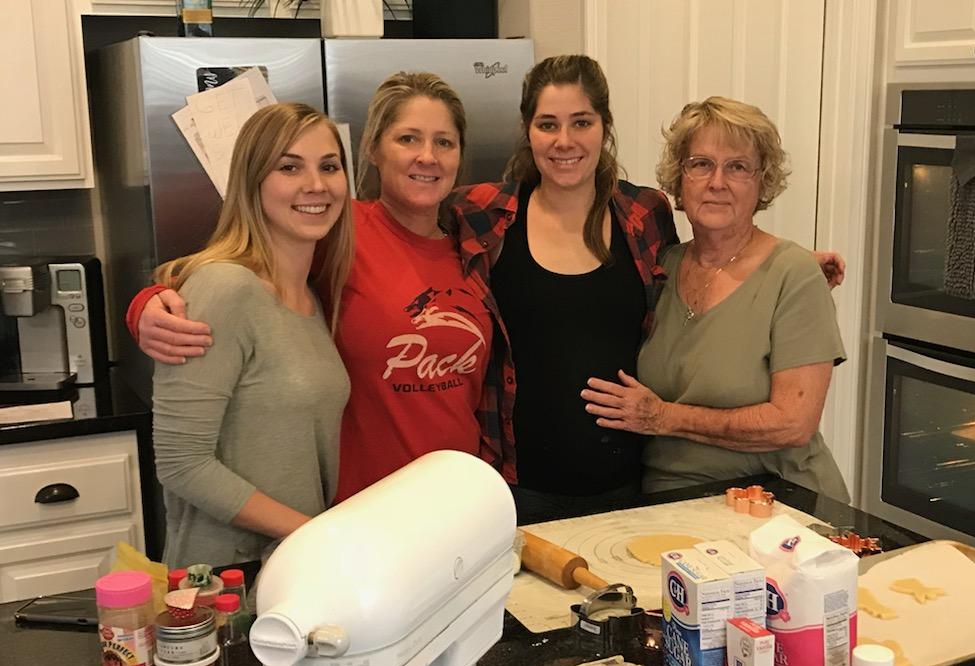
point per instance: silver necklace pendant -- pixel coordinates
(688, 315)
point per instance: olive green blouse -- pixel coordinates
(782, 316)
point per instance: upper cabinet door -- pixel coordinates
(661, 54)
(941, 32)
(44, 136)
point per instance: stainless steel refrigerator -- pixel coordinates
(486, 73)
(157, 202)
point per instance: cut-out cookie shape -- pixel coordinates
(921, 592)
(869, 604)
(899, 658)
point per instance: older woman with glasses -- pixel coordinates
(734, 378)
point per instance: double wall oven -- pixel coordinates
(919, 458)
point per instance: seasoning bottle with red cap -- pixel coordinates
(175, 576)
(233, 583)
(233, 641)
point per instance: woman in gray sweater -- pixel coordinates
(246, 437)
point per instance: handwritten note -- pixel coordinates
(211, 120)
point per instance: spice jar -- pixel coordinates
(186, 641)
(125, 615)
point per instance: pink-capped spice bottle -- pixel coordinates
(125, 616)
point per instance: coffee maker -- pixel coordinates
(53, 326)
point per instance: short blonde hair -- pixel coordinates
(740, 123)
(241, 235)
(385, 107)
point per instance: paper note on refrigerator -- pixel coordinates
(184, 121)
(212, 119)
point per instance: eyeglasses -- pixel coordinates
(697, 167)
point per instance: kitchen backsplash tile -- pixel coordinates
(51, 222)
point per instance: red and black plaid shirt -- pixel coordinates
(484, 213)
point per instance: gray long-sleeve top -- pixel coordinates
(260, 410)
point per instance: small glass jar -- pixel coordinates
(125, 615)
(187, 641)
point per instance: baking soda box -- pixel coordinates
(749, 644)
(696, 604)
(747, 578)
(811, 584)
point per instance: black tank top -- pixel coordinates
(563, 330)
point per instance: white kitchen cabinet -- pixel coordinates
(45, 141)
(47, 548)
(929, 32)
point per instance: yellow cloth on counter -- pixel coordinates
(127, 558)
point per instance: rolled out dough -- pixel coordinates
(647, 548)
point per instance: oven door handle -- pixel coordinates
(934, 365)
(940, 141)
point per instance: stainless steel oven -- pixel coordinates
(919, 459)
(919, 432)
(926, 276)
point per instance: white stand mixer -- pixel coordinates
(413, 570)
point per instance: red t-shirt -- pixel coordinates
(415, 337)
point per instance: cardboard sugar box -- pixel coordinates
(697, 598)
(749, 644)
(747, 577)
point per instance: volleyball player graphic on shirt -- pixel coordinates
(427, 311)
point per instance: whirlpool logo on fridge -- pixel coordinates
(487, 71)
(436, 372)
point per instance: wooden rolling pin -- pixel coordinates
(557, 564)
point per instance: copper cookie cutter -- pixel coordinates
(858, 544)
(753, 500)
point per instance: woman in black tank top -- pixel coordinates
(573, 280)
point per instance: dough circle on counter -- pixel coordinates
(648, 548)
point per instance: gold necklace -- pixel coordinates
(689, 312)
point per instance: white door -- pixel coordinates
(661, 54)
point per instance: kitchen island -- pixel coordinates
(23, 645)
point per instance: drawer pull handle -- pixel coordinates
(56, 492)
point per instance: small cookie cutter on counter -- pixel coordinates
(846, 537)
(609, 615)
(753, 500)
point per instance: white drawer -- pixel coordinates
(52, 563)
(103, 485)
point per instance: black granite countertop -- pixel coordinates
(106, 406)
(23, 645)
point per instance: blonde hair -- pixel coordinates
(587, 74)
(740, 123)
(385, 107)
(241, 235)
